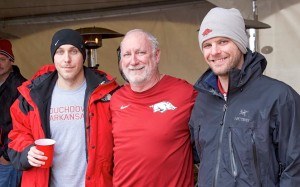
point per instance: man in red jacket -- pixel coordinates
(70, 104)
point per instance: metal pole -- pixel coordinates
(255, 31)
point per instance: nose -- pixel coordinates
(215, 49)
(67, 57)
(134, 60)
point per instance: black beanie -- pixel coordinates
(67, 36)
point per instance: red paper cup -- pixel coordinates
(46, 146)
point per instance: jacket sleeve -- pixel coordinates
(194, 129)
(288, 138)
(195, 153)
(20, 137)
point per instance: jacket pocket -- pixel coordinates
(255, 158)
(242, 154)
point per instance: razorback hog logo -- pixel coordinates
(206, 32)
(162, 106)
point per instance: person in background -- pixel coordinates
(150, 117)
(245, 126)
(69, 103)
(10, 79)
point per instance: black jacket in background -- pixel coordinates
(253, 138)
(8, 94)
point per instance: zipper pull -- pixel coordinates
(224, 107)
(224, 111)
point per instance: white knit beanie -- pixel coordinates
(220, 22)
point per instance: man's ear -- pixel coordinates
(157, 55)
(119, 54)
(119, 64)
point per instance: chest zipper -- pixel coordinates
(255, 158)
(232, 158)
(219, 146)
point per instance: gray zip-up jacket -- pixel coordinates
(252, 138)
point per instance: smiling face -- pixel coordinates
(139, 59)
(68, 61)
(221, 54)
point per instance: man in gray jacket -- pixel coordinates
(245, 126)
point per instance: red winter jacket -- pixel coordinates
(31, 122)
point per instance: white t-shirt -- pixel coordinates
(68, 130)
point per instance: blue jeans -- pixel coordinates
(9, 176)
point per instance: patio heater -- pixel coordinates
(92, 37)
(252, 26)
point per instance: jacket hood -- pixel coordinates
(16, 69)
(254, 65)
(15, 75)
